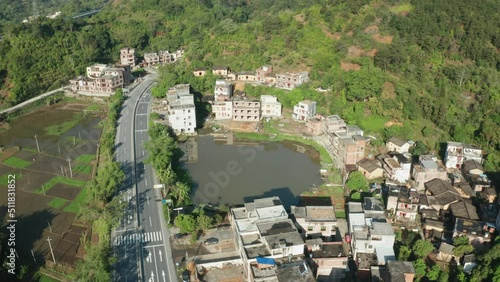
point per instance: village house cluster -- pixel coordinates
(161, 57)
(304, 244)
(263, 75)
(437, 198)
(238, 108)
(273, 245)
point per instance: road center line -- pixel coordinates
(150, 224)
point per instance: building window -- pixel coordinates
(310, 228)
(323, 228)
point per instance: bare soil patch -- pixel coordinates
(64, 191)
(239, 86)
(9, 152)
(29, 180)
(355, 52)
(349, 66)
(388, 91)
(373, 29)
(392, 123)
(67, 248)
(241, 126)
(371, 53)
(382, 39)
(300, 18)
(326, 31)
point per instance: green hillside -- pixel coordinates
(424, 70)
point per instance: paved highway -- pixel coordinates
(141, 242)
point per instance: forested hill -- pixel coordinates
(430, 66)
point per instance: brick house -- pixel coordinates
(314, 125)
(220, 70)
(370, 168)
(290, 81)
(428, 168)
(246, 110)
(262, 73)
(222, 110)
(127, 56)
(199, 72)
(100, 79)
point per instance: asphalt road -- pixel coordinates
(141, 242)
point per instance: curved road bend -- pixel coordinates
(141, 242)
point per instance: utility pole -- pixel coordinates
(69, 163)
(62, 171)
(50, 247)
(33, 255)
(50, 228)
(59, 148)
(74, 141)
(43, 190)
(38, 147)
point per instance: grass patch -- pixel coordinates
(323, 190)
(59, 179)
(82, 169)
(401, 8)
(5, 178)
(85, 158)
(324, 156)
(83, 164)
(340, 214)
(44, 278)
(93, 107)
(59, 129)
(57, 203)
(373, 123)
(80, 199)
(16, 162)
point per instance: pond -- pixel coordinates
(234, 174)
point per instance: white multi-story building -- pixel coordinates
(222, 110)
(304, 110)
(397, 167)
(456, 153)
(270, 107)
(127, 56)
(96, 70)
(370, 232)
(263, 230)
(181, 109)
(223, 90)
